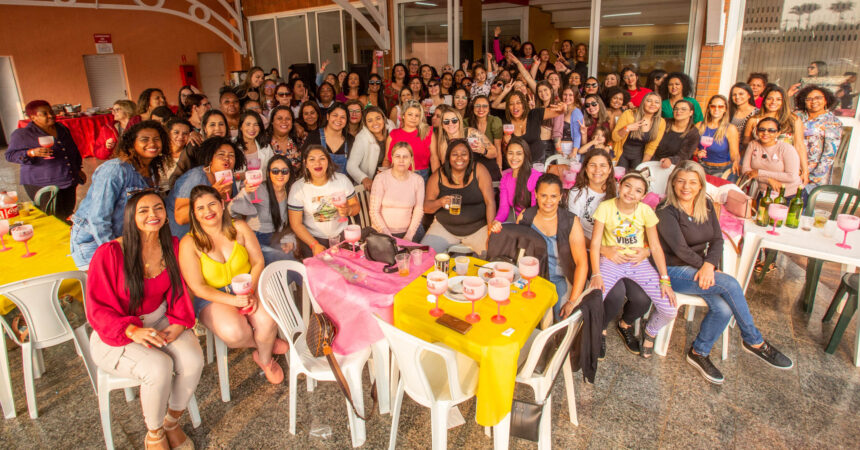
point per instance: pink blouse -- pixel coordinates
(107, 297)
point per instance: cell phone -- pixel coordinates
(458, 325)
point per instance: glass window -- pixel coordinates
(803, 42)
(330, 44)
(644, 38)
(265, 52)
(424, 32)
(293, 41)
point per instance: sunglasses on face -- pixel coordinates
(718, 106)
(279, 171)
(283, 94)
(455, 121)
(499, 84)
(374, 82)
(432, 85)
(481, 106)
(767, 130)
(590, 104)
(591, 85)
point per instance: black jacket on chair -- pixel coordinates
(586, 344)
(506, 244)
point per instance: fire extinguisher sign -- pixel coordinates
(103, 43)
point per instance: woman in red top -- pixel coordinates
(417, 133)
(631, 83)
(141, 315)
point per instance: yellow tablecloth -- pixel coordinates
(496, 354)
(50, 242)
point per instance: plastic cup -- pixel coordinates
(566, 148)
(508, 128)
(806, 223)
(402, 260)
(241, 285)
(461, 265)
(504, 270)
(821, 217)
(416, 256)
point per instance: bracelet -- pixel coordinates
(666, 283)
(664, 277)
(596, 275)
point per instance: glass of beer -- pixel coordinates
(456, 204)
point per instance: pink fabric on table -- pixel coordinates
(84, 130)
(351, 306)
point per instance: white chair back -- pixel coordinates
(659, 176)
(38, 301)
(571, 325)
(363, 197)
(277, 299)
(412, 356)
(556, 159)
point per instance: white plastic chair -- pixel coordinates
(107, 382)
(277, 299)
(433, 375)
(556, 159)
(541, 383)
(38, 301)
(214, 342)
(363, 197)
(659, 176)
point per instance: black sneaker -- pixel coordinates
(602, 347)
(630, 340)
(770, 355)
(704, 365)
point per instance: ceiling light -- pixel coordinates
(426, 4)
(623, 14)
(638, 25)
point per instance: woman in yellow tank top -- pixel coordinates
(210, 255)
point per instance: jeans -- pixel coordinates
(272, 253)
(425, 174)
(725, 298)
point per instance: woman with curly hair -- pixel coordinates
(822, 132)
(679, 86)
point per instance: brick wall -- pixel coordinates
(710, 66)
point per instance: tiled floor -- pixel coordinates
(658, 403)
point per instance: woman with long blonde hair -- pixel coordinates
(414, 130)
(638, 132)
(692, 242)
(452, 126)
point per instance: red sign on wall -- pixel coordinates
(103, 43)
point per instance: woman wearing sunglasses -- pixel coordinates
(591, 86)
(723, 153)
(594, 116)
(771, 161)
(374, 96)
(791, 131)
(453, 127)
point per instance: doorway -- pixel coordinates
(106, 79)
(10, 100)
(211, 74)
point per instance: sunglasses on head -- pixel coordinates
(767, 130)
(590, 104)
(455, 121)
(150, 190)
(280, 171)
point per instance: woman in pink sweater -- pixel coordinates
(141, 316)
(517, 187)
(397, 197)
(771, 161)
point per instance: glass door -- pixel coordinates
(423, 31)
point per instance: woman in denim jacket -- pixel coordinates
(143, 151)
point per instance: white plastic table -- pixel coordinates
(812, 244)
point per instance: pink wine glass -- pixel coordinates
(224, 176)
(778, 213)
(241, 285)
(529, 268)
(504, 271)
(846, 223)
(500, 291)
(473, 290)
(4, 228)
(23, 233)
(254, 178)
(352, 234)
(619, 172)
(508, 129)
(338, 199)
(46, 142)
(437, 284)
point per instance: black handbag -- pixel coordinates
(382, 248)
(526, 415)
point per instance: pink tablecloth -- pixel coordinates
(350, 305)
(84, 130)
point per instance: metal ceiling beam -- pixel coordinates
(379, 13)
(197, 12)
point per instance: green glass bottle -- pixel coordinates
(779, 200)
(795, 208)
(761, 217)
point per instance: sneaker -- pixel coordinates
(704, 365)
(629, 338)
(770, 355)
(602, 347)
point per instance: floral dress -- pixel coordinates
(822, 136)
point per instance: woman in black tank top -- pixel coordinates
(459, 175)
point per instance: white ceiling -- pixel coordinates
(577, 13)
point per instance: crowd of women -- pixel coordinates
(169, 218)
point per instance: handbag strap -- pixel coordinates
(735, 246)
(344, 387)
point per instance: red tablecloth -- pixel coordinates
(84, 130)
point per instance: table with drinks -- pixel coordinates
(485, 311)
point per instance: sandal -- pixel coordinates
(759, 266)
(155, 439)
(172, 423)
(273, 370)
(644, 351)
